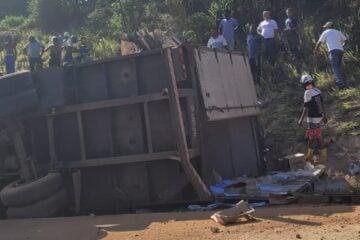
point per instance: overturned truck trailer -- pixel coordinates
(121, 133)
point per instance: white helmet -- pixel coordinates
(306, 78)
(67, 34)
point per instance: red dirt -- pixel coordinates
(275, 223)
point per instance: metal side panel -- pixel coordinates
(92, 83)
(97, 133)
(50, 85)
(162, 175)
(244, 147)
(162, 133)
(152, 74)
(115, 189)
(216, 148)
(39, 139)
(122, 78)
(226, 84)
(67, 142)
(128, 131)
(230, 148)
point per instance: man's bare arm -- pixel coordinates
(317, 47)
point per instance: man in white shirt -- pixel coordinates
(216, 40)
(335, 41)
(268, 29)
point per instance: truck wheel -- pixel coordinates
(18, 194)
(48, 207)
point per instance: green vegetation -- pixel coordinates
(105, 22)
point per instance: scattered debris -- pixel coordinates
(240, 212)
(215, 230)
(218, 205)
(333, 186)
(275, 199)
(296, 161)
(210, 207)
(298, 236)
(282, 185)
(354, 169)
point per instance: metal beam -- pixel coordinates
(171, 155)
(117, 102)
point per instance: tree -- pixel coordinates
(13, 7)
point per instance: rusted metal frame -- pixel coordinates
(81, 136)
(171, 155)
(179, 128)
(148, 127)
(51, 136)
(118, 102)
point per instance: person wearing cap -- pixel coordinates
(314, 111)
(227, 28)
(34, 50)
(335, 41)
(10, 54)
(268, 29)
(55, 50)
(291, 32)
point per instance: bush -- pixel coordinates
(11, 22)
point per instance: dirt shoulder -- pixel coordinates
(292, 222)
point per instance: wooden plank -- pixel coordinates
(117, 102)
(51, 136)
(148, 127)
(81, 135)
(180, 135)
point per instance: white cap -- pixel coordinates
(306, 78)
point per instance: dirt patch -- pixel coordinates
(275, 223)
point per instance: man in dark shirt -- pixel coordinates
(254, 40)
(314, 112)
(291, 33)
(10, 54)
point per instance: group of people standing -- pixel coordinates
(63, 50)
(265, 36)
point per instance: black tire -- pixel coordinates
(14, 83)
(16, 194)
(48, 207)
